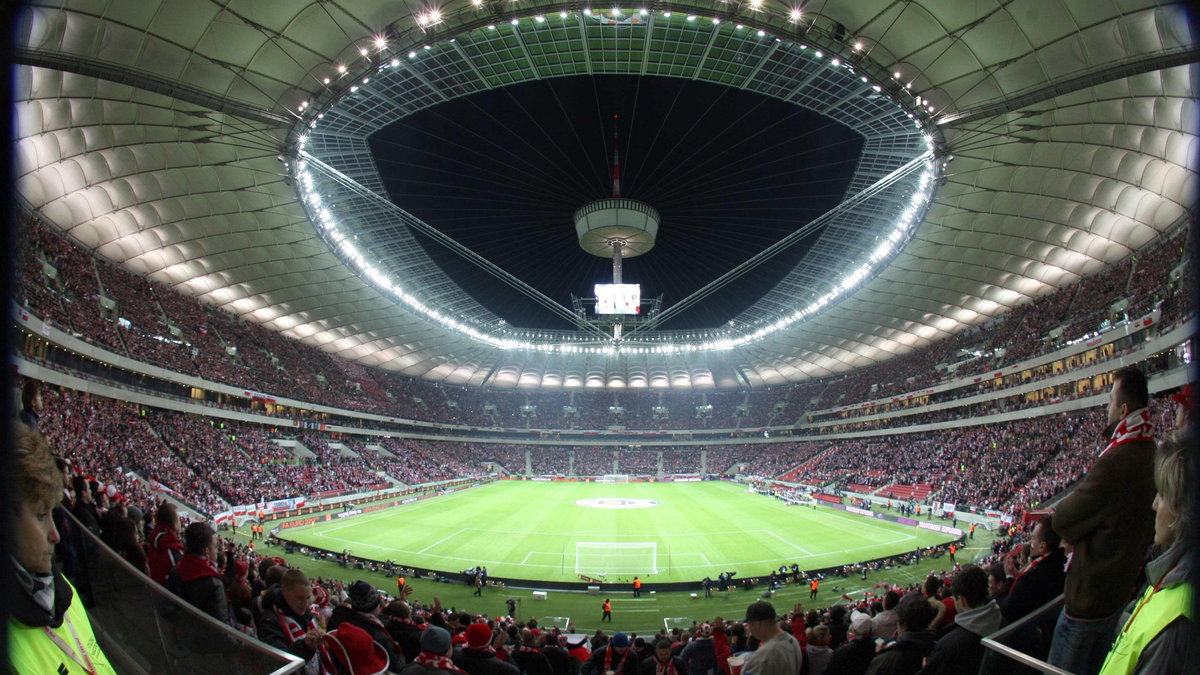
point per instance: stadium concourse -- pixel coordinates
(230, 317)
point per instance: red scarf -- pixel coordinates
(1136, 427)
(438, 661)
(292, 628)
(667, 668)
(608, 654)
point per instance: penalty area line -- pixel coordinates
(439, 541)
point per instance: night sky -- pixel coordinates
(502, 172)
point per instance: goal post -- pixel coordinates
(615, 478)
(602, 558)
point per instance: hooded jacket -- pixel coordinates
(904, 656)
(960, 650)
(197, 580)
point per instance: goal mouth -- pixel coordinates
(613, 478)
(608, 558)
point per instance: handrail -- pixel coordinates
(991, 641)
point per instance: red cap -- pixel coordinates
(479, 635)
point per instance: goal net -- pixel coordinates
(602, 558)
(615, 478)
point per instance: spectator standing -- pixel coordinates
(854, 657)
(1108, 523)
(478, 657)
(907, 653)
(434, 658)
(286, 620)
(700, 655)
(778, 653)
(662, 662)
(884, 623)
(404, 631)
(959, 650)
(1160, 635)
(818, 651)
(196, 577)
(528, 658)
(363, 609)
(48, 628)
(164, 549)
(614, 657)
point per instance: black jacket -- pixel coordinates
(595, 665)
(375, 628)
(904, 656)
(1040, 584)
(530, 661)
(561, 662)
(269, 624)
(960, 649)
(852, 658)
(650, 666)
(407, 636)
(200, 585)
(480, 662)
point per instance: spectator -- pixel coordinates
(1108, 523)
(404, 631)
(1160, 635)
(363, 610)
(614, 657)
(434, 658)
(31, 403)
(778, 653)
(913, 643)
(662, 662)
(960, 650)
(48, 628)
(196, 577)
(286, 621)
(127, 543)
(884, 623)
(818, 651)
(1041, 580)
(164, 548)
(700, 655)
(478, 657)
(528, 658)
(349, 650)
(854, 657)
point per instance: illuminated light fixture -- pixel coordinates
(908, 86)
(740, 26)
(539, 18)
(691, 17)
(395, 63)
(491, 26)
(794, 15)
(364, 51)
(412, 55)
(836, 61)
(643, 12)
(341, 68)
(762, 33)
(434, 15)
(587, 10)
(380, 43)
(818, 54)
(562, 15)
(616, 11)
(353, 89)
(863, 79)
(325, 80)
(877, 87)
(428, 46)
(756, 4)
(716, 20)
(858, 45)
(667, 14)
(477, 3)
(514, 21)
(896, 74)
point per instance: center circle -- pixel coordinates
(615, 503)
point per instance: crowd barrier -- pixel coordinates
(145, 629)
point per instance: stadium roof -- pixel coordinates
(1009, 149)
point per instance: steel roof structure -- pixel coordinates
(1012, 147)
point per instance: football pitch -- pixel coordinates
(665, 532)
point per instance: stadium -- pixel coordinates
(521, 309)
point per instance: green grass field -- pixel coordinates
(528, 530)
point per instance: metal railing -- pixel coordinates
(1006, 650)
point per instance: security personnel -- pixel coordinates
(637, 587)
(607, 606)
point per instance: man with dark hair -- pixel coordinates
(196, 577)
(1041, 579)
(1107, 524)
(363, 609)
(31, 403)
(286, 621)
(912, 645)
(884, 623)
(959, 649)
(662, 662)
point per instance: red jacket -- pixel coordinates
(163, 552)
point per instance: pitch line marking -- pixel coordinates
(795, 546)
(449, 536)
(706, 562)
